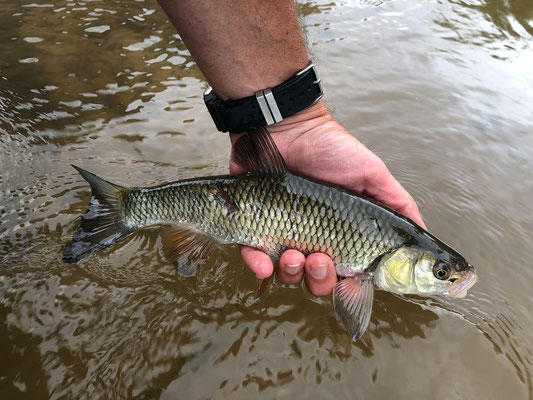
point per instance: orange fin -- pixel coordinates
(352, 301)
(187, 248)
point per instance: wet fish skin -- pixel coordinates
(273, 213)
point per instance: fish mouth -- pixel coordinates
(459, 291)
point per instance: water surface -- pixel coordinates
(442, 91)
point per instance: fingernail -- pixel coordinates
(293, 269)
(319, 271)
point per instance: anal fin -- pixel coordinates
(187, 248)
(352, 301)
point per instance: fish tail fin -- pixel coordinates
(101, 225)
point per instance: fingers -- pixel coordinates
(402, 201)
(410, 210)
(382, 186)
(257, 261)
(291, 267)
(320, 275)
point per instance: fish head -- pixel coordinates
(414, 270)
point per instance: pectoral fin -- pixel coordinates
(352, 301)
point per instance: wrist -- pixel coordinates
(307, 120)
(269, 105)
(316, 113)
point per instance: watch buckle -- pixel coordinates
(316, 82)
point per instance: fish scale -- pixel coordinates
(272, 213)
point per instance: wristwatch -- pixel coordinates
(268, 106)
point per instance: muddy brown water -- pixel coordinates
(442, 91)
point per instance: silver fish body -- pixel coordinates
(273, 213)
(273, 210)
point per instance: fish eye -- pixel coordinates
(441, 271)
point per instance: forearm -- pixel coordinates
(240, 46)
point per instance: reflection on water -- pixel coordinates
(442, 91)
(502, 28)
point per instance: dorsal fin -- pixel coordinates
(256, 151)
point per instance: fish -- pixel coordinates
(273, 210)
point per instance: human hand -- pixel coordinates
(314, 145)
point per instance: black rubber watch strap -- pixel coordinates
(268, 106)
(234, 116)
